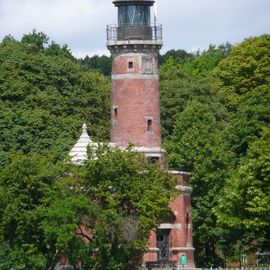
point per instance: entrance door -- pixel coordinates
(163, 245)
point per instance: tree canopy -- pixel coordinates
(99, 216)
(45, 96)
(215, 119)
(215, 109)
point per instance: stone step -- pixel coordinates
(164, 268)
(161, 266)
(167, 268)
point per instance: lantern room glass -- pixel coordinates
(132, 15)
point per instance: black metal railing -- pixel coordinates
(134, 32)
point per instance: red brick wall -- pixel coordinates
(135, 100)
(135, 96)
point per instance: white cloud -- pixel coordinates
(79, 23)
(187, 23)
(190, 23)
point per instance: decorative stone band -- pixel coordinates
(135, 46)
(170, 226)
(135, 76)
(134, 42)
(173, 249)
(145, 150)
(182, 249)
(152, 250)
(186, 190)
(180, 173)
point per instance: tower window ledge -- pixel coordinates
(166, 226)
(186, 190)
(180, 173)
(114, 122)
(157, 43)
(182, 249)
(152, 249)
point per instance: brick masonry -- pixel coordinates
(135, 101)
(180, 236)
(135, 116)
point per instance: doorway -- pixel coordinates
(163, 244)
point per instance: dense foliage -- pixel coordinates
(215, 123)
(99, 216)
(215, 113)
(102, 64)
(45, 96)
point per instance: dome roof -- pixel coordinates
(78, 153)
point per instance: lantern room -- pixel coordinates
(134, 21)
(134, 13)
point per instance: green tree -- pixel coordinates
(197, 146)
(177, 89)
(245, 202)
(246, 69)
(204, 63)
(99, 216)
(45, 96)
(38, 220)
(132, 196)
(37, 40)
(102, 63)
(244, 205)
(243, 85)
(247, 123)
(180, 56)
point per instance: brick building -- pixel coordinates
(134, 44)
(135, 114)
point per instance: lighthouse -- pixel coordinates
(134, 43)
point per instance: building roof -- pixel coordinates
(78, 153)
(135, 2)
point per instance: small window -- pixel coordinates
(187, 218)
(130, 65)
(149, 125)
(152, 160)
(115, 112)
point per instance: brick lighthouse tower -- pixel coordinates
(134, 44)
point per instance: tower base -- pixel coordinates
(173, 238)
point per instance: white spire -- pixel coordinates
(78, 153)
(84, 129)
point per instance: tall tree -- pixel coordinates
(180, 56)
(247, 69)
(38, 219)
(243, 84)
(98, 216)
(132, 196)
(102, 63)
(196, 146)
(45, 96)
(205, 62)
(178, 89)
(244, 204)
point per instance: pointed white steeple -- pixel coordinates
(78, 153)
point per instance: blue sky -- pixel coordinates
(187, 24)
